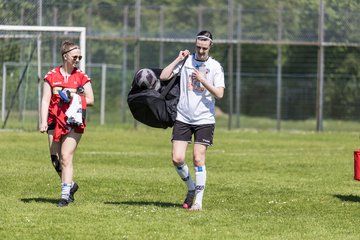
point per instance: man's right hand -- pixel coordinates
(183, 54)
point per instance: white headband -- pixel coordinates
(203, 36)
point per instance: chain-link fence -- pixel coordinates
(283, 61)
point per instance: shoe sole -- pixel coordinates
(195, 208)
(63, 203)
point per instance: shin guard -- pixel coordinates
(56, 163)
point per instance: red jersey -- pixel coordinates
(57, 108)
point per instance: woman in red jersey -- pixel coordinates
(65, 88)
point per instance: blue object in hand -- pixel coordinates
(64, 96)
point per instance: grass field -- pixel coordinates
(261, 185)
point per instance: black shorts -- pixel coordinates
(203, 134)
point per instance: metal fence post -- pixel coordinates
(103, 92)
(279, 70)
(238, 68)
(320, 79)
(230, 59)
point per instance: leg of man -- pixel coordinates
(178, 156)
(200, 174)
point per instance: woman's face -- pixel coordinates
(73, 57)
(202, 49)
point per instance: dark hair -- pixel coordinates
(68, 46)
(207, 35)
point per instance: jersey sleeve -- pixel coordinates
(177, 68)
(48, 78)
(85, 79)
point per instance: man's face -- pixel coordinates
(202, 49)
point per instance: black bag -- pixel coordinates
(155, 107)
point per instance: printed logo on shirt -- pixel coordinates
(193, 84)
(197, 86)
(189, 84)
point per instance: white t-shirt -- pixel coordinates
(196, 104)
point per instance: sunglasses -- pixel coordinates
(76, 57)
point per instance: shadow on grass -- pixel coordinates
(143, 203)
(39, 200)
(348, 198)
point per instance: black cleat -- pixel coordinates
(188, 202)
(63, 202)
(73, 190)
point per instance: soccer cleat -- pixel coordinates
(189, 199)
(73, 190)
(63, 202)
(196, 207)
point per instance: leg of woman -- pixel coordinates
(69, 144)
(68, 147)
(55, 148)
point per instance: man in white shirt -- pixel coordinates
(201, 82)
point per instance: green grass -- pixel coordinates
(261, 185)
(29, 122)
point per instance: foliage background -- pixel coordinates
(109, 37)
